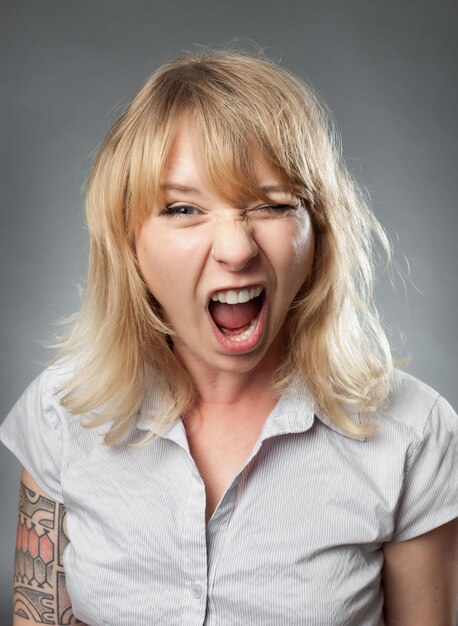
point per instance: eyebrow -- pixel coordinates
(183, 188)
(186, 189)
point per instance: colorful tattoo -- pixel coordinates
(40, 593)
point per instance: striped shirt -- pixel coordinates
(296, 538)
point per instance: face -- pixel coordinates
(223, 273)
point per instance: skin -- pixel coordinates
(40, 593)
(184, 258)
(420, 579)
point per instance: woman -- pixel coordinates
(263, 464)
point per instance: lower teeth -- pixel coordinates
(246, 333)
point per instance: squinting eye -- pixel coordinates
(180, 210)
(278, 207)
(273, 208)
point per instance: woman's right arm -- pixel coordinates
(40, 593)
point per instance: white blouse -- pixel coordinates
(296, 538)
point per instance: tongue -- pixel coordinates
(233, 316)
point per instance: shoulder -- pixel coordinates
(50, 379)
(420, 424)
(42, 395)
(36, 430)
(39, 404)
(410, 404)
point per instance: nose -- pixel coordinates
(233, 244)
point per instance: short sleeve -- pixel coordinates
(32, 432)
(430, 493)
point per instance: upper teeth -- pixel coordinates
(232, 296)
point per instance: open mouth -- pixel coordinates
(235, 312)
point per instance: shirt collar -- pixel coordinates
(295, 412)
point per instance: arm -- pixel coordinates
(40, 594)
(420, 579)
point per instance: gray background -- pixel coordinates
(387, 71)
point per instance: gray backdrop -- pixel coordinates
(387, 71)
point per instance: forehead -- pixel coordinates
(193, 165)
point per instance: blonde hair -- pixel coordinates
(239, 103)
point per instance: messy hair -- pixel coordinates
(239, 103)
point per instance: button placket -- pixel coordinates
(195, 554)
(217, 536)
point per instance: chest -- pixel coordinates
(218, 456)
(288, 526)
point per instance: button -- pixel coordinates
(196, 590)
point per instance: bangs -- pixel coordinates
(227, 149)
(225, 154)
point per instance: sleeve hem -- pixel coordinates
(18, 454)
(448, 515)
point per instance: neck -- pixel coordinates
(232, 404)
(226, 394)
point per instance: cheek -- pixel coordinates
(153, 260)
(301, 248)
(304, 248)
(167, 261)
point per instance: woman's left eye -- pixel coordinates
(274, 208)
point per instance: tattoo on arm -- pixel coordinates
(40, 593)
